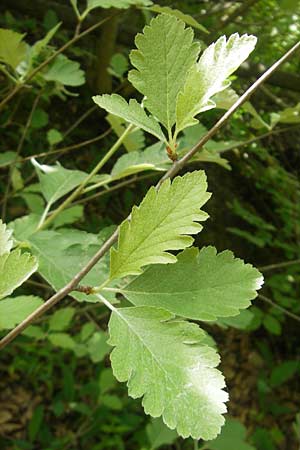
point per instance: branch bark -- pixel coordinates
(177, 166)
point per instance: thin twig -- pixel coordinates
(69, 148)
(279, 265)
(114, 237)
(270, 302)
(79, 120)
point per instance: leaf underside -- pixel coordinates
(210, 76)
(170, 365)
(132, 112)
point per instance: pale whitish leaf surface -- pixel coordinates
(165, 53)
(170, 365)
(59, 263)
(120, 4)
(201, 285)
(209, 76)
(56, 181)
(65, 71)
(186, 18)
(161, 222)
(15, 310)
(12, 48)
(132, 112)
(15, 267)
(133, 141)
(6, 242)
(233, 436)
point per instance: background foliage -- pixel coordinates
(57, 389)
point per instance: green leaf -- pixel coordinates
(42, 43)
(15, 310)
(61, 319)
(6, 158)
(62, 340)
(65, 71)
(233, 436)
(112, 402)
(68, 216)
(35, 422)
(186, 18)
(159, 434)
(200, 285)
(287, 115)
(272, 325)
(153, 158)
(12, 48)
(243, 321)
(97, 346)
(132, 112)
(165, 54)
(133, 141)
(209, 76)
(59, 263)
(282, 373)
(54, 136)
(121, 4)
(118, 65)
(56, 181)
(24, 227)
(161, 222)
(170, 365)
(15, 267)
(39, 119)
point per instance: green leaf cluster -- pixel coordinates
(168, 361)
(175, 82)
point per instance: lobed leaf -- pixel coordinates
(162, 222)
(65, 71)
(12, 48)
(209, 76)
(57, 181)
(15, 267)
(200, 285)
(120, 4)
(165, 53)
(63, 253)
(132, 112)
(170, 365)
(186, 18)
